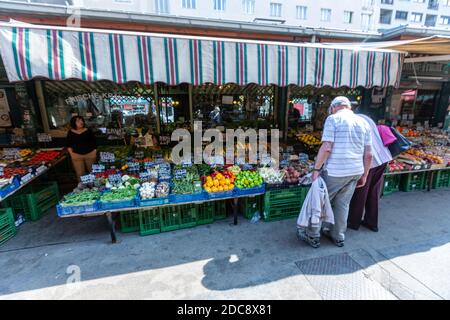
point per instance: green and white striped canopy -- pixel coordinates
(58, 53)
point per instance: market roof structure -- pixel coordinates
(59, 53)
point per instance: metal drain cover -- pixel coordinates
(339, 277)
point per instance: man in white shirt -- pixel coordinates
(365, 199)
(346, 157)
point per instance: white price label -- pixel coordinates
(97, 168)
(11, 152)
(41, 169)
(133, 166)
(2, 173)
(115, 178)
(107, 157)
(44, 137)
(88, 178)
(26, 178)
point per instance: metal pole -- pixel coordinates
(191, 113)
(286, 124)
(158, 125)
(41, 103)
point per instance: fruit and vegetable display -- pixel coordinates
(121, 193)
(248, 179)
(186, 180)
(395, 166)
(272, 175)
(84, 197)
(219, 181)
(9, 172)
(44, 157)
(292, 174)
(162, 190)
(148, 190)
(308, 139)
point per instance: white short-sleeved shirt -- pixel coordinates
(349, 134)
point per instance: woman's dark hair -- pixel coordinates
(73, 121)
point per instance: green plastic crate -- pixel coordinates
(441, 179)
(391, 184)
(413, 182)
(189, 214)
(35, 200)
(129, 221)
(249, 205)
(284, 203)
(149, 221)
(205, 213)
(220, 210)
(7, 225)
(170, 219)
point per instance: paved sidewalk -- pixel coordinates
(408, 259)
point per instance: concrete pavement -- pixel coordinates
(408, 259)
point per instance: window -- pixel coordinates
(401, 15)
(433, 4)
(325, 14)
(387, 1)
(249, 6)
(189, 4)
(446, 3)
(161, 6)
(348, 16)
(301, 12)
(385, 16)
(444, 20)
(219, 5)
(366, 21)
(416, 17)
(123, 1)
(419, 1)
(275, 9)
(430, 20)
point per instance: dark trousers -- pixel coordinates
(366, 198)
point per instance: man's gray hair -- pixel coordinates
(341, 101)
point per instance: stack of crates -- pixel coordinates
(413, 182)
(205, 213)
(7, 225)
(220, 210)
(149, 221)
(250, 205)
(129, 221)
(441, 179)
(35, 200)
(178, 217)
(284, 203)
(391, 184)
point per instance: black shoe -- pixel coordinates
(339, 243)
(350, 226)
(374, 229)
(313, 242)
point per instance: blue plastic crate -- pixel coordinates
(69, 210)
(221, 194)
(15, 184)
(178, 198)
(120, 204)
(250, 191)
(151, 202)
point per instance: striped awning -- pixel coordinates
(58, 53)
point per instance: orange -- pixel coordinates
(214, 189)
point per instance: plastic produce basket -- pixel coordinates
(249, 191)
(441, 179)
(284, 203)
(205, 213)
(249, 205)
(10, 188)
(413, 182)
(151, 202)
(149, 221)
(391, 184)
(129, 221)
(221, 194)
(68, 210)
(35, 200)
(179, 198)
(178, 217)
(7, 225)
(220, 210)
(119, 204)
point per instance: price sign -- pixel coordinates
(44, 137)
(115, 178)
(144, 175)
(139, 154)
(309, 128)
(11, 152)
(2, 173)
(149, 164)
(26, 178)
(164, 140)
(266, 160)
(180, 173)
(41, 169)
(97, 168)
(186, 163)
(159, 160)
(107, 157)
(88, 178)
(133, 166)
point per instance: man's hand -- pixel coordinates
(315, 175)
(362, 182)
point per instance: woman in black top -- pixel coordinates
(82, 146)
